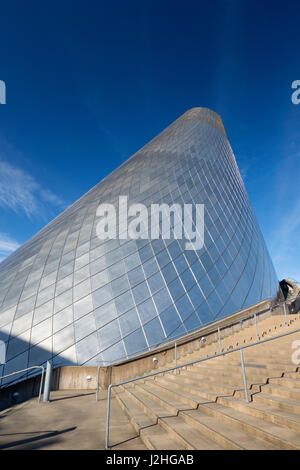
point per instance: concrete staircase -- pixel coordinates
(203, 406)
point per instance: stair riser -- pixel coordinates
(143, 433)
(280, 392)
(171, 409)
(260, 375)
(186, 402)
(221, 387)
(201, 385)
(148, 443)
(238, 383)
(128, 414)
(258, 370)
(289, 367)
(292, 375)
(280, 420)
(210, 433)
(292, 384)
(176, 435)
(151, 414)
(201, 393)
(251, 430)
(290, 408)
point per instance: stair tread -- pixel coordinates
(175, 401)
(194, 387)
(260, 367)
(235, 373)
(276, 430)
(239, 437)
(184, 394)
(141, 418)
(275, 386)
(276, 398)
(155, 407)
(285, 380)
(271, 410)
(161, 440)
(195, 438)
(227, 380)
(214, 379)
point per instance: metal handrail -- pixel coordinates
(169, 369)
(25, 370)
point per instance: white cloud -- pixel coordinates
(7, 245)
(20, 192)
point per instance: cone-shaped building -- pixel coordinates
(70, 297)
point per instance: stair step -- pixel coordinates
(277, 435)
(287, 404)
(235, 381)
(190, 400)
(260, 369)
(282, 391)
(198, 384)
(180, 436)
(286, 382)
(275, 365)
(134, 409)
(227, 435)
(292, 375)
(257, 374)
(156, 405)
(190, 437)
(263, 411)
(156, 438)
(198, 378)
(171, 402)
(203, 390)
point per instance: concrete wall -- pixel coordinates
(27, 389)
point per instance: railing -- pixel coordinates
(169, 369)
(173, 341)
(25, 370)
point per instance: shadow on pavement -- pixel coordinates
(25, 442)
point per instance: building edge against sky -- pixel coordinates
(69, 297)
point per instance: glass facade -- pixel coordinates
(69, 297)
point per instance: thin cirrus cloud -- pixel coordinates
(21, 193)
(7, 245)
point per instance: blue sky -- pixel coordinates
(89, 83)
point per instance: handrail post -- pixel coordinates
(175, 353)
(220, 343)
(285, 314)
(47, 383)
(97, 389)
(244, 376)
(41, 384)
(108, 417)
(256, 326)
